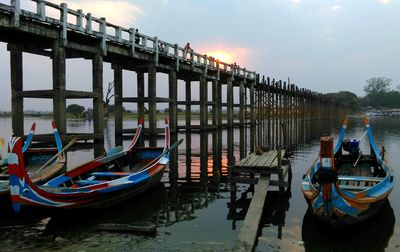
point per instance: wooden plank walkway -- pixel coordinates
(249, 232)
(257, 169)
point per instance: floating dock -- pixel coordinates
(258, 170)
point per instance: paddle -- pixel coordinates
(58, 154)
(175, 145)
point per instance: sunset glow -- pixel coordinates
(224, 56)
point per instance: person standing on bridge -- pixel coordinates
(187, 49)
(137, 38)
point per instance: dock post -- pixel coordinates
(59, 99)
(242, 118)
(118, 111)
(98, 104)
(152, 90)
(17, 101)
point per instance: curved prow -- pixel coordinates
(167, 134)
(342, 134)
(327, 172)
(137, 135)
(371, 139)
(29, 138)
(57, 136)
(17, 172)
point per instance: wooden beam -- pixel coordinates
(249, 232)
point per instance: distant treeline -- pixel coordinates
(378, 95)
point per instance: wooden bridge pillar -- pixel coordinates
(252, 116)
(242, 109)
(17, 101)
(215, 98)
(59, 98)
(188, 90)
(173, 104)
(152, 90)
(229, 101)
(173, 124)
(203, 103)
(118, 108)
(98, 104)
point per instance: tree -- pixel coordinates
(109, 95)
(375, 89)
(75, 109)
(347, 98)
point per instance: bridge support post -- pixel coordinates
(118, 110)
(230, 136)
(173, 124)
(188, 90)
(59, 100)
(203, 103)
(140, 103)
(229, 101)
(173, 105)
(152, 105)
(242, 107)
(252, 116)
(17, 101)
(98, 104)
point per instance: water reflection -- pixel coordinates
(371, 235)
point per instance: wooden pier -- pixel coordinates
(258, 170)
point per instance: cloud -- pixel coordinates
(336, 7)
(164, 1)
(385, 2)
(295, 1)
(118, 12)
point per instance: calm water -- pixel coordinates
(197, 218)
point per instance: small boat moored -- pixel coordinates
(113, 177)
(345, 186)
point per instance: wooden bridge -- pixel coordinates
(269, 107)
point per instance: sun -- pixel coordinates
(224, 56)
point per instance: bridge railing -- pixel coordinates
(76, 20)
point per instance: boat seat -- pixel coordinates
(359, 178)
(354, 188)
(85, 182)
(109, 174)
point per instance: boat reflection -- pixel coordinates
(371, 235)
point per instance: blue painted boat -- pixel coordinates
(117, 175)
(345, 186)
(34, 158)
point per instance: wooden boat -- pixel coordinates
(34, 159)
(345, 186)
(113, 177)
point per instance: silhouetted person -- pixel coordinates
(137, 38)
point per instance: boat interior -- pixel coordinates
(134, 161)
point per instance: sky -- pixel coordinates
(322, 45)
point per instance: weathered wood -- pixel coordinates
(152, 91)
(98, 105)
(59, 83)
(249, 231)
(17, 102)
(149, 230)
(118, 109)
